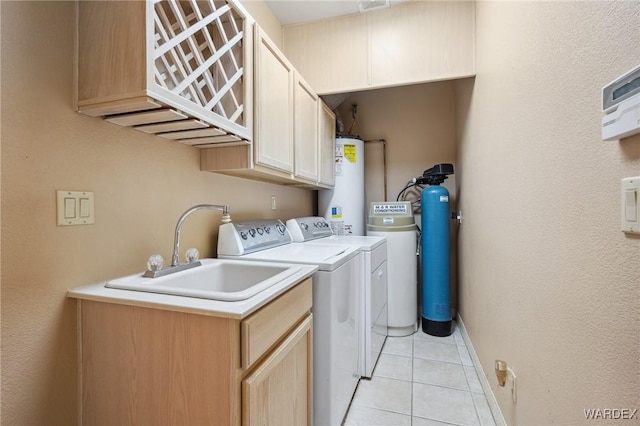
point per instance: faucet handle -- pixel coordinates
(155, 262)
(192, 255)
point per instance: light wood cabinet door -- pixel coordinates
(408, 43)
(327, 136)
(274, 79)
(422, 41)
(168, 67)
(306, 131)
(332, 54)
(143, 366)
(280, 390)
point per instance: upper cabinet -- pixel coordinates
(274, 108)
(306, 132)
(326, 145)
(179, 69)
(332, 55)
(293, 141)
(413, 42)
(204, 74)
(422, 41)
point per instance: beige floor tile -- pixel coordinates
(422, 380)
(384, 394)
(420, 335)
(402, 346)
(472, 379)
(457, 336)
(484, 412)
(464, 356)
(444, 404)
(419, 421)
(363, 416)
(439, 374)
(436, 351)
(394, 367)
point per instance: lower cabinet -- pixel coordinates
(281, 383)
(146, 366)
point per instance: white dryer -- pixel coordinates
(373, 327)
(336, 305)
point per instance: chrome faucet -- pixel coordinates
(156, 270)
(175, 260)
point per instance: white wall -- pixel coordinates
(548, 282)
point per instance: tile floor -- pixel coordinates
(421, 380)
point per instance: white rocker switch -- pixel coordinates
(74, 208)
(630, 206)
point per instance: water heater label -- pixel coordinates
(400, 208)
(336, 212)
(350, 152)
(444, 198)
(339, 167)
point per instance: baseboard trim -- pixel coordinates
(491, 398)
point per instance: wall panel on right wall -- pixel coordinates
(548, 282)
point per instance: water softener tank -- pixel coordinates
(436, 309)
(396, 223)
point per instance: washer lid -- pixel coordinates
(362, 243)
(326, 257)
(308, 228)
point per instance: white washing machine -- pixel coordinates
(336, 305)
(373, 286)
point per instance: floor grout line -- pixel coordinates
(412, 381)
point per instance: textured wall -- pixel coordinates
(418, 124)
(142, 184)
(548, 282)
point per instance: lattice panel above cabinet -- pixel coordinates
(166, 66)
(198, 54)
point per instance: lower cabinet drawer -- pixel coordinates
(279, 391)
(263, 329)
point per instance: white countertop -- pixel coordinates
(237, 310)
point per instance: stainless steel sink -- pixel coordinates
(217, 279)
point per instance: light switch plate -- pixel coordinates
(630, 204)
(75, 208)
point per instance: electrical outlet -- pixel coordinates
(273, 202)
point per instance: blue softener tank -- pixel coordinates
(436, 309)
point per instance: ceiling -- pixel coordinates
(297, 11)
